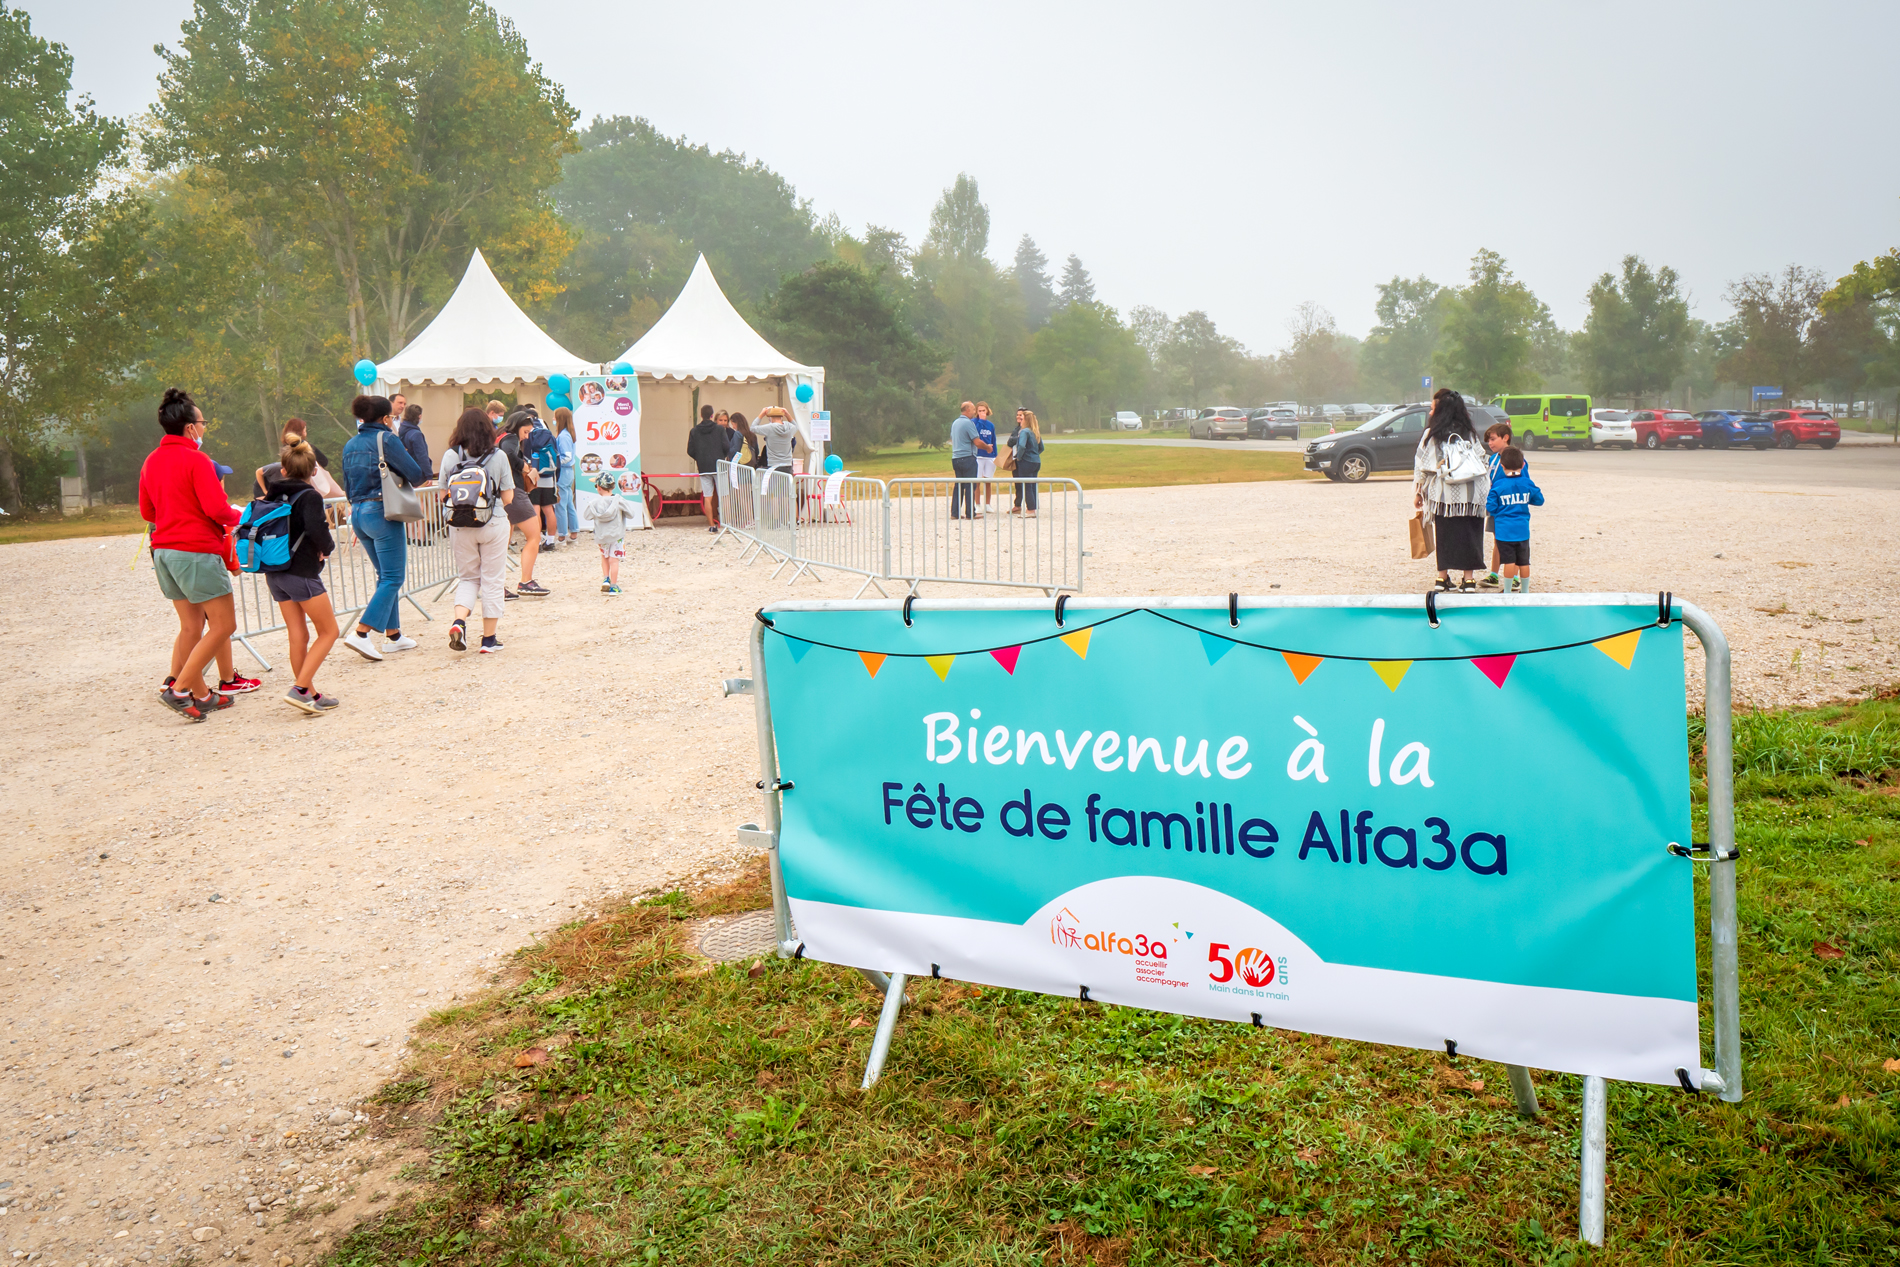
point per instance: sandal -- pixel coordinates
(1443, 585)
(1467, 587)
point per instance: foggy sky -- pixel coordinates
(1243, 158)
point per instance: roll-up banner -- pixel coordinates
(607, 437)
(1334, 818)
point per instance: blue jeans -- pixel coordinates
(963, 496)
(383, 541)
(567, 520)
(1026, 492)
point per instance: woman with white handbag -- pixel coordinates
(1450, 481)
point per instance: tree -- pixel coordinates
(1032, 278)
(1077, 286)
(1086, 362)
(1876, 286)
(1199, 356)
(397, 134)
(1315, 364)
(1399, 350)
(965, 305)
(72, 283)
(959, 223)
(876, 370)
(646, 206)
(1637, 334)
(1487, 329)
(1769, 332)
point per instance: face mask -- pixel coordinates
(199, 441)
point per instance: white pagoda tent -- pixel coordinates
(702, 344)
(481, 341)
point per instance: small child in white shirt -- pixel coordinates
(609, 516)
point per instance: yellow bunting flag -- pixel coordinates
(1391, 672)
(1302, 665)
(940, 665)
(1621, 648)
(873, 661)
(1078, 641)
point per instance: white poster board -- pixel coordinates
(819, 428)
(607, 438)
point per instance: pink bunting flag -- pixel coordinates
(1006, 656)
(1495, 667)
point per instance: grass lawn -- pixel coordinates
(711, 1115)
(100, 521)
(1096, 466)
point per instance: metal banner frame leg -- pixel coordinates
(886, 1026)
(1591, 1178)
(1523, 1091)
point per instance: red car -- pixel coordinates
(1655, 428)
(1805, 426)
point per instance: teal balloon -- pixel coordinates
(557, 400)
(366, 372)
(804, 393)
(833, 464)
(621, 367)
(559, 384)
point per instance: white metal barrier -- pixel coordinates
(350, 575)
(1025, 533)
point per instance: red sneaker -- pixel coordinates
(239, 685)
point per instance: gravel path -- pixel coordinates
(219, 936)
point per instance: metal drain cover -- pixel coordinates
(746, 936)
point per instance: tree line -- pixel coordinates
(314, 175)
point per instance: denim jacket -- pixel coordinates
(362, 481)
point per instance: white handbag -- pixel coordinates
(1459, 461)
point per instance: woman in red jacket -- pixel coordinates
(191, 517)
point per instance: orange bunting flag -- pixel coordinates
(940, 665)
(1006, 656)
(1302, 665)
(1391, 672)
(873, 661)
(1078, 641)
(1621, 648)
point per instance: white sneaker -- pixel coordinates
(404, 643)
(360, 643)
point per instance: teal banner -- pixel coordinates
(1334, 818)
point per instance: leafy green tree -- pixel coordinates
(1488, 329)
(1637, 335)
(397, 135)
(1769, 332)
(73, 287)
(959, 223)
(1032, 278)
(1875, 285)
(966, 306)
(1077, 286)
(646, 206)
(1403, 341)
(1086, 363)
(877, 371)
(1317, 363)
(1199, 358)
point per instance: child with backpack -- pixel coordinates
(1509, 505)
(545, 456)
(477, 479)
(286, 536)
(609, 516)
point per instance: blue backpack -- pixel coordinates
(264, 543)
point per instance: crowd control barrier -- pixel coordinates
(350, 576)
(910, 531)
(1283, 812)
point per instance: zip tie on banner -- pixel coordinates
(1682, 1076)
(1233, 610)
(908, 600)
(1431, 607)
(1257, 1022)
(1085, 995)
(1451, 1048)
(936, 972)
(799, 953)
(1062, 600)
(1703, 851)
(1664, 601)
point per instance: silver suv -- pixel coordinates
(1219, 424)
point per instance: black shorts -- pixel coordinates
(544, 495)
(1515, 552)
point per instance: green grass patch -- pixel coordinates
(687, 1114)
(1108, 465)
(99, 521)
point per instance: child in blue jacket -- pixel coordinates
(1509, 505)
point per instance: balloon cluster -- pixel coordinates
(559, 385)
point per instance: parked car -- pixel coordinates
(1724, 427)
(1666, 428)
(1386, 443)
(1219, 424)
(1362, 410)
(1805, 426)
(1273, 423)
(1611, 426)
(1540, 420)
(1127, 420)
(1174, 417)
(1333, 414)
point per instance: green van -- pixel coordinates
(1547, 420)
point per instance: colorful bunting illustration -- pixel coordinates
(798, 648)
(940, 665)
(1621, 648)
(1215, 647)
(1006, 656)
(1391, 672)
(873, 661)
(1495, 667)
(1078, 641)
(1302, 665)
